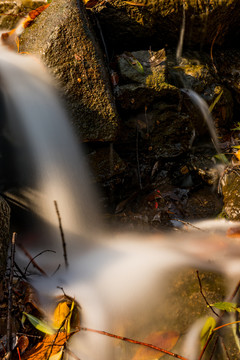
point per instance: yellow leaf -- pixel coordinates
(237, 154)
(57, 356)
(62, 314)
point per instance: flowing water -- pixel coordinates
(125, 283)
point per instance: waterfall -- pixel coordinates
(121, 281)
(46, 159)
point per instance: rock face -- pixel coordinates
(231, 195)
(156, 23)
(63, 38)
(4, 235)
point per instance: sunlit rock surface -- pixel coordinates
(63, 38)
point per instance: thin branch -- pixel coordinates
(214, 348)
(71, 354)
(204, 297)
(205, 346)
(211, 50)
(135, 342)
(20, 271)
(188, 223)
(9, 318)
(62, 234)
(224, 325)
(32, 259)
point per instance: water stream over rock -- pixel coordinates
(125, 283)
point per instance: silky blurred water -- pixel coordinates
(120, 280)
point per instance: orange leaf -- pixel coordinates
(33, 14)
(50, 345)
(134, 3)
(90, 3)
(163, 339)
(237, 154)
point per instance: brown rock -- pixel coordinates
(63, 38)
(158, 22)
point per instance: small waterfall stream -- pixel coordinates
(120, 281)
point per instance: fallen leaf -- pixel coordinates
(62, 315)
(51, 345)
(163, 339)
(134, 3)
(22, 343)
(39, 324)
(33, 14)
(57, 356)
(237, 154)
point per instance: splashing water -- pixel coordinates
(181, 37)
(201, 104)
(197, 100)
(122, 282)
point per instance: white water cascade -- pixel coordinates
(121, 281)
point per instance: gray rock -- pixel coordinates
(64, 40)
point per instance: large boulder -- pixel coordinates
(64, 40)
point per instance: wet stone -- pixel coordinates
(230, 185)
(63, 38)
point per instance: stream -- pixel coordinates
(129, 284)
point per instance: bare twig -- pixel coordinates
(224, 325)
(32, 259)
(204, 297)
(71, 354)
(211, 50)
(214, 348)
(189, 224)
(62, 234)
(9, 318)
(205, 346)
(135, 342)
(20, 271)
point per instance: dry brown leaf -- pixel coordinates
(22, 343)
